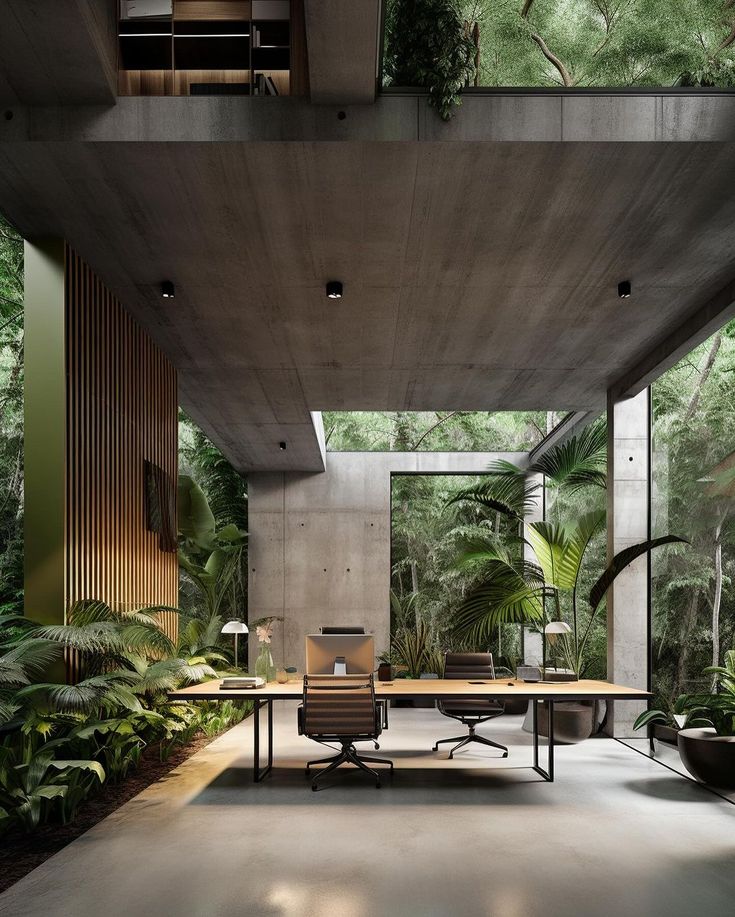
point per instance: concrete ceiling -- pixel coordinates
(478, 276)
(480, 258)
(61, 52)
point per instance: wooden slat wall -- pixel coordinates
(121, 410)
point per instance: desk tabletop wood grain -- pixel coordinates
(438, 688)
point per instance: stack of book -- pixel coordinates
(241, 683)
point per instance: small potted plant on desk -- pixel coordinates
(414, 657)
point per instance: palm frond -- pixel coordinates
(89, 611)
(9, 706)
(107, 691)
(509, 592)
(32, 656)
(102, 637)
(505, 489)
(146, 637)
(579, 462)
(622, 560)
(12, 672)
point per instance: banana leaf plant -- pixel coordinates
(209, 557)
(516, 590)
(716, 709)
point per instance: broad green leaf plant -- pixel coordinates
(209, 556)
(514, 589)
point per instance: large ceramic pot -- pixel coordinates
(513, 706)
(708, 757)
(574, 721)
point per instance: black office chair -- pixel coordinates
(471, 711)
(341, 708)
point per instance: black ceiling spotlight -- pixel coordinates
(334, 289)
(282, 446)
(624, 289)
(167, 290)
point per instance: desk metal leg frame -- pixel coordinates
(546, 774)
(258, 773)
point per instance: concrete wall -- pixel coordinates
(320, 543)
(628, 606)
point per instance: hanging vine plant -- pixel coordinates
(428, 44)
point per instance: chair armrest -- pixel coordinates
(300, 719)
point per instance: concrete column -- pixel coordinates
(45, 431)
(628, 599)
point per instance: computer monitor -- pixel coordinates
(323, 650)
(341, 629)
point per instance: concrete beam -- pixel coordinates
(394, 117)
(342, 38)
(58, 52)
(718, 310)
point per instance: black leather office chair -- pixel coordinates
(341, 708)
(470, 710)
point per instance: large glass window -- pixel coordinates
(693, 467)
(559, 43)
(436, 431)
(429, 582)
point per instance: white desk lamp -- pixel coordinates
(553, 630)
(236, 628)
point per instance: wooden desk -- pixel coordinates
(435, 688)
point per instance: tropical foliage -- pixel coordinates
(694, 493)
(563, 43)
(61, 742)
(212, 531)
(457, 546)
(715, 708)
(211, 557)
(430, 45)
(514, 588)
(11, 418)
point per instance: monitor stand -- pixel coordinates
(340, 667)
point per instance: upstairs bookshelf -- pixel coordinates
(212, 47)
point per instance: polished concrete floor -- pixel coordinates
(669, 755)
(616, 834)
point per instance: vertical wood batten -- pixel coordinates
(121, 411)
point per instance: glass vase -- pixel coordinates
(264, 665)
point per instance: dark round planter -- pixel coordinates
(515, 705)
(574, 721)
(708, 757)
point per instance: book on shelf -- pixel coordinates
(264, 85)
